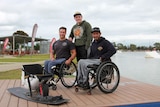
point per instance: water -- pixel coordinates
(135, 66)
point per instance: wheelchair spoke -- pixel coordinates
(68, 74)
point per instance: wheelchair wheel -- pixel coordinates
(68, 74)
(92, 79)
(107, 77)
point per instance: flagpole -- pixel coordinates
(34, 31)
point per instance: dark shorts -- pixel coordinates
(81, 52)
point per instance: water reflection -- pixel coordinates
(134, 65)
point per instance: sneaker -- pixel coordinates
(52, 82)
(80, 84)
(86, 86)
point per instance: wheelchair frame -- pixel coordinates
(46, 80)
(63, 71)
(40, 92)
(105, 75)
(29, 71)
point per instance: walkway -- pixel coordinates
(16, 65)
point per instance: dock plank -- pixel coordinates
(13, 99)
(5, 95)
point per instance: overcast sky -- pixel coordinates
(120, 21)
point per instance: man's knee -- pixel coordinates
(46, 62)
(82, 60)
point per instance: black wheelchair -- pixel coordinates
(106, 76)
(66, 73)
(33, 72)
(36, 85)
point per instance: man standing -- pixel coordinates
(81, 31)
(64, 51)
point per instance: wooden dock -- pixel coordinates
(128, 92)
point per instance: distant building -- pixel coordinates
(44, 47)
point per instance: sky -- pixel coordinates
(121, 21)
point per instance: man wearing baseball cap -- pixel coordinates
(101, 50)
(81, 32)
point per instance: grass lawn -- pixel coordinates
(25, 58)
(16, 74)
(13, 74)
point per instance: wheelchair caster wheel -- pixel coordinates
(89, 93)
(76, 89)
(54, 87)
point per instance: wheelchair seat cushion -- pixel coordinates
(44, 77)
(93, 66)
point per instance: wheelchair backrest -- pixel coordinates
(32, 69)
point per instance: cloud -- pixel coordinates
(119, 20)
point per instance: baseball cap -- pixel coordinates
(77, 13)
(95, 29)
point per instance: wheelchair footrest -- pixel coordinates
(43, 77)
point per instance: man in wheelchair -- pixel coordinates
(100, 50)
(63, 49)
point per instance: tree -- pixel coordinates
(114, 44)
(120, 46)
(37, 47)
(157, 45)
(132, 47)
(19, 32)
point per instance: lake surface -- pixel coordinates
(135, 66)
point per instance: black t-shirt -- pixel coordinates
(62, 48)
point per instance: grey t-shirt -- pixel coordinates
(62, 48)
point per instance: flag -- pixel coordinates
(5, 44)
(34, 31)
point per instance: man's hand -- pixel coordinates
(100, 59)
(70, 39)
(52, 59)
(68, 62)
